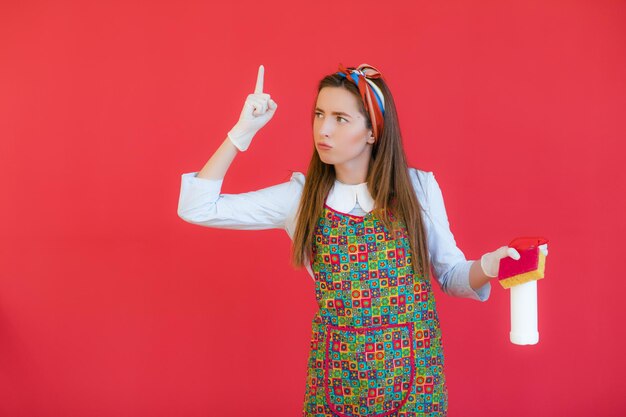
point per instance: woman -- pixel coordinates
(366, 227)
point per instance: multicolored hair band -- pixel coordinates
(375, 108)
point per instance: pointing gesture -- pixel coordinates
(258, 109)
(258, 89)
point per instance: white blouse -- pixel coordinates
(201, 203)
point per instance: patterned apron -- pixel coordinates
(376, 342)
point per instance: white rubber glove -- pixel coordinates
(258, 109)
(490, 262)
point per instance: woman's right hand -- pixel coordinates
(258, 109)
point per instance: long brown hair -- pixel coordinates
(387, 181)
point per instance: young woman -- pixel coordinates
(368, 229)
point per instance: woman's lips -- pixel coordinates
(323, 146)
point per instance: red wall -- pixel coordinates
(111, 305)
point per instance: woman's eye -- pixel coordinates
(320, 115)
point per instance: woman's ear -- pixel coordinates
(371, 139)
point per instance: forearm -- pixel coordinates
(217, 166)
(477, 277)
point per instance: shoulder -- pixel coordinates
(422, 181)
(419, 176)
(297, 178)
(295, 186)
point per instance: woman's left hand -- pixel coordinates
(490, 262)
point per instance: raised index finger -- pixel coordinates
(259, 80)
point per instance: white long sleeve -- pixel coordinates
(201, 203)
(450, 266)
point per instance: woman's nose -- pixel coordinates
(325, 128)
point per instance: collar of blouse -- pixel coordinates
(343, 197)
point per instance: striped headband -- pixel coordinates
(375, 108)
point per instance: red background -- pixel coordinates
(111, 305)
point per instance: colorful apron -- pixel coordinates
(376, 342)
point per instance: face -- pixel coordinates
(339, 124)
